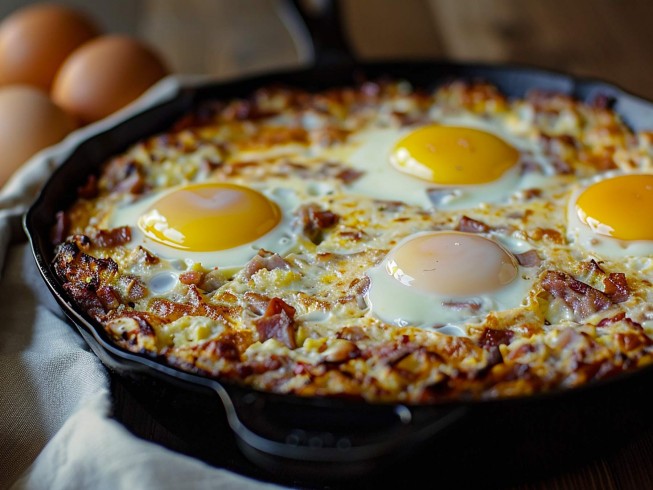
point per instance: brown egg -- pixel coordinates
(29, 122)
(104, 75)
(35, 40)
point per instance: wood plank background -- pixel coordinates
(608, 39)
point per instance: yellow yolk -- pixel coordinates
(452, 263)
(452, 155)
(209, 217)
(619, 207)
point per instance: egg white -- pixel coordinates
(380, 180)
(401, 305)
(581, 234)
(281, 239)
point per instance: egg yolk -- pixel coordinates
(452, 263)
(451, 155)
(619, 207)
(209, 217)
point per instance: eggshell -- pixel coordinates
(104, 75)
(35, 40)
(29, 122)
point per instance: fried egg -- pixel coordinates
(610, 215)
(443, 279)
(216, 224)
(454, 164)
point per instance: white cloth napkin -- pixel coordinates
(55, 429)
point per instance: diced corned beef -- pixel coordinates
(264, 260)
(582, 298)
(277, 323)
(470, 225)
(529, 259)
(112, 238)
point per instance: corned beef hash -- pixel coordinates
(382, 242)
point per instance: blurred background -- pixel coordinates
(608, 39)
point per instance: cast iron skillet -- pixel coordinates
(325, 438)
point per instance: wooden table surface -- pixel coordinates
(608, 39)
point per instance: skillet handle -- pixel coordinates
(323, 21)
(311, 437)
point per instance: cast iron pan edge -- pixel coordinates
(313, 436)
